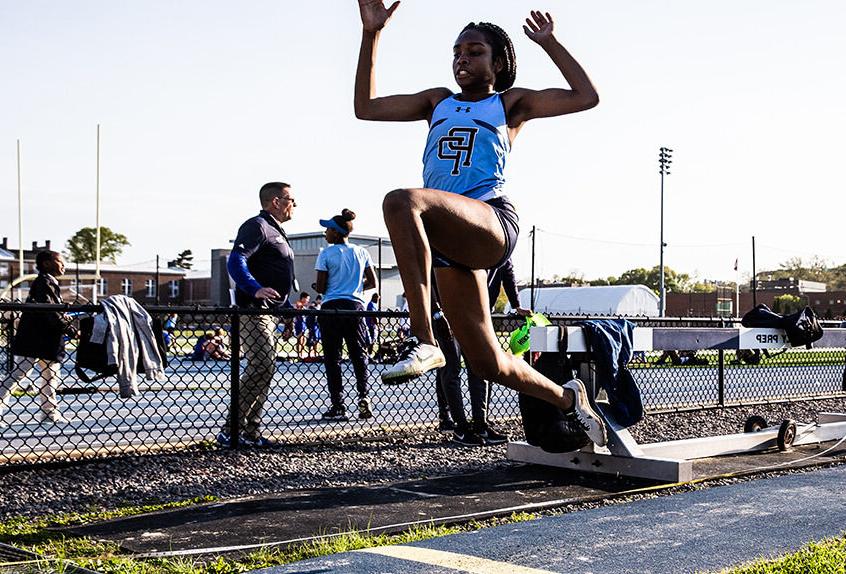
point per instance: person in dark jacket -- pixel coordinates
(262, 266)
(40, 338)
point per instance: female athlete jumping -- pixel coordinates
(461, 223)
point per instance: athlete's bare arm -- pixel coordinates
(399, 108)
(523, 104)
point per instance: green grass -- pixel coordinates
(790, 358)
(825, 557)
(34, 530)
(107, 557)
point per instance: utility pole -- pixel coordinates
(532, 287)
(20, 220)
(664, 160)
(97, 219)
(754, 277)
(379, 276)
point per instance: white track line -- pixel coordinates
(461, 562)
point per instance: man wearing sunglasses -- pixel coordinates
(262, 266)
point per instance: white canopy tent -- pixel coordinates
(628, 300)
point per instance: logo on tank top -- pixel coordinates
(457, 146)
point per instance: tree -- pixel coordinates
(82, 247)
(787, 303)
(184, 260)
(673, 282)
(814, 270)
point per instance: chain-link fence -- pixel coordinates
(269, 367)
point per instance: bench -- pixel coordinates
(672, 460)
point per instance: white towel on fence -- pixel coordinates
(131, 337)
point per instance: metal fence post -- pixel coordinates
(234, 383)
(721, 373)
(10, 360)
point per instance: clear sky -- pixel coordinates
(202, 101)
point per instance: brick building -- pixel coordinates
(143, 282)
(721, 303)
(6, 259)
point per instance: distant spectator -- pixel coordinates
(682, 358)
(167, 337)
(372, 323)
(344, 272)
(222, 338)
(40, 339)
(168, 329)
(404, 324)
(750, 356)
(205, 343)
(300, 328)
(313, 328)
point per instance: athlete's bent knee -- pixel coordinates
(399, 201)
(488, 367)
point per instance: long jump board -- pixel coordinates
(545, 339)
(671, 461)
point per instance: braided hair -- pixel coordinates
(501, 47)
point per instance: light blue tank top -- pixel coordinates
(467, 148)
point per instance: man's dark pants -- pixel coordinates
(449, 381)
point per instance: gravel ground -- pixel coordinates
(201, 472)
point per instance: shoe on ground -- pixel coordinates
(415, 358)
(364, 411)
(491, 436)
(224, 440)
(259, 442)
(335, 414)
(465, 436)
(52, 417)
(446, 426)
(583, 413)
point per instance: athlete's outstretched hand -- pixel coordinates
(374, 15)
(538, 27)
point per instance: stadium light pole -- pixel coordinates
(97, 223)
(664, 160)
(20, 217)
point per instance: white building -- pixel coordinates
(613, 300)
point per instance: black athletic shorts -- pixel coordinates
(510, 222)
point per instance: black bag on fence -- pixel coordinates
(546, 426)
(801, 328)
(93, 357)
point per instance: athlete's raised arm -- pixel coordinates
(524, 104)
(400, 108)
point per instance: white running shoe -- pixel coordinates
(584, 414)
(52, 417)
(415, 358)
